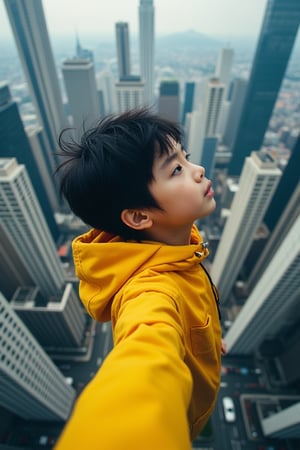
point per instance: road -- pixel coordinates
(241, 380)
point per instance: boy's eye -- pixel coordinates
(177, 170)
(187, 156)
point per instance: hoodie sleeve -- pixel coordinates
(140, 396)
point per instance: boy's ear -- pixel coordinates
(136, 218)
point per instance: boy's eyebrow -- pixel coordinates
(170, 158)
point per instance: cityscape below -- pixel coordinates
(238, 105)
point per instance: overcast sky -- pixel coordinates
(211, 17)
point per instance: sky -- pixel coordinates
(211, 17)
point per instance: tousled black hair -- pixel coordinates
(110, 169)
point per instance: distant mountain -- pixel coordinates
(189, 39)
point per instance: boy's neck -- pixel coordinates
(174, 237)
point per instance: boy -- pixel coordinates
(140, 266)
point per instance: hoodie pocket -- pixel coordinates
(202, 338)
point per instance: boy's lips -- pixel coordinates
(209, 191)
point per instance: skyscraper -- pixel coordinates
(209, 108)
(31, 387)
(285, 189)
(58, 322)
(194, 135)
(284, 423)
(106, 84)
(224, 65)
(13, 270)
(80, 83)
(130, 93)
(83, 53)
(30, 31)
(43, 157)
(208, 155)
(274, 300)
(23, 221)
(289, 215)
(213, 100)
(14, 143)
(188, 100)
(238, 92)
(257, 184)
(169, 99)
(277, 37)
(146, 35)
(123, 49)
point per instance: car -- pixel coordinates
(227, 324)
(69, 380)
(43, 440)
(229, 410)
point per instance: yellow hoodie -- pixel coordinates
(158, 386)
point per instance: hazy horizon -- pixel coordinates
(210, 17)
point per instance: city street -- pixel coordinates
(241, 380)
(100, 340)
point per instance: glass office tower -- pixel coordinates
(275, 44)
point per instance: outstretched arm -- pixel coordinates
(140, 396)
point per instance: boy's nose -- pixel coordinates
(200, 173)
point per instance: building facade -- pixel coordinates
(224, 65)
(206, 117)
(258, 182)
(169, 100)
(285, 189)
(147, 46)
(31, 386)
(81, 88)
(14, 143)
(13, 270)
(238, 92)
(106, 85)
(23, 221)
(30, 32)
(123, 49)
(130, 93)
(275, 44)
(58, 322)
(274, 300)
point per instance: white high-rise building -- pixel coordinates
(43, 156)
(80, 83)
(274, 300)
(57, 322)
(223, 73)
(291, 212)
(238, 92)
(224, 65)
(146, 35)
(30, 31)
(209, 109)
(23, 221)
(194, 135)
(130, 93)
(12, 268)
(31, 385)
(214, 96)
(199, 93)
(283, 424)
(257, 184)
(106, 83)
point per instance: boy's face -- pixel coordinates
(181, 189)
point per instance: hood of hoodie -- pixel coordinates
(104, 263)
